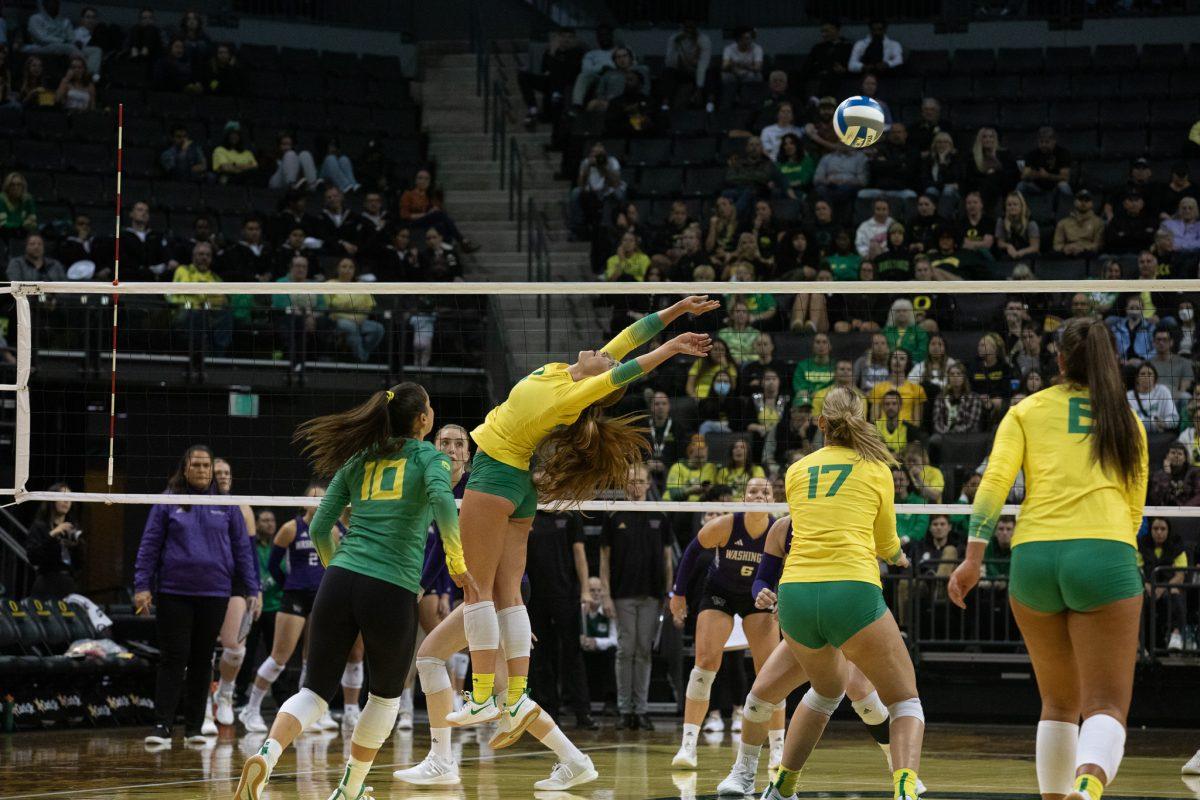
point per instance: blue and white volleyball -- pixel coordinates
(858, 121)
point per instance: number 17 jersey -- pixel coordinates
(843, 518)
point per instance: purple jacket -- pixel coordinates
(203, 551)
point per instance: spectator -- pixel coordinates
(1163, 559)
(704, 370)
(893, 165)
(8, 97)
(932, 372)
(877, 53)
(222, 75)
(144, 250)
(665, 434)
(1177, 483)
(1184, 227)
(721, 240)
(183, 160)
(750, 175)
(895, 262)
(926, 228)
(1174, 190)
(690, 478)
(1134, 334)
(338, 226)
(928, 480)
(1017, 235)
(977, 228)
(440, 260)
(215, 329)
(815, 372)
(336, 168)
(752, 372)
(251, 259)
(796, 165)
(1032, 382)
(76, 91)
(1174, 372)
(768, 109)
(1047, 168)
(912, 395)
(595, 61)
(629, 113)
(636, 572)
(297, 243)
(1080, 233)
(376, 225)
(1030, 353)
(629, 262)
(797, 433)
(767, 412)
(840, 175)
(145, 41)
(55, 548)
(298, 317)
(873, 366)
(33, 92)
(747, 253)
(33, 265)
(351, 314)
(598, 187)
(561, 64)
(784, 125)
(819, 135)
(796, 260)
(232, 161)
(871, 239)
(202, 231)
(1152, 402)
(173, 71)
(685, 73)
(189, 560)
(927, 127)
(991, 170)
(942, 173)
(741, 63)
(958, 409)
(191, 30)
(293, 214)
(739, 335)
(293, 169)
(51, 33)
(843, 375)
(693, 255)
(903, 333)
(843, 264)
(933, 551)
(599, 644)
(966, 497)
(400, 260)
(82, 255)
(18, 211)
(421, 208)
(911, 528)
(991, 374)
(739, 469)
(827, 60)
(1132, 227)
(1140, 179)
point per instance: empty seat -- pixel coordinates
(688, 122)
(1019, 60)
(1144, 84)
(47, 124)
(258, 56)
(91, 158)
(343, 65)
(1174, 113)
(1184, 84)
(901, 90)
(78, 189)
(977, 310)
(1020, 142)
(649, 152)
(1081, 144)
(144, 131)
(974, 61)
(1061, 269)
(177, 195)
(294, 59)
(617, 148)
(695, 151)
(975, 115)
(1128, 144)
(752, 95)
(31, 154)
(1091, 86)
(1048, 87)
(722, 122)
(12, 120)
(950, 88)
(660, 181)
(224, 198)
(1002, 87)
(1104, 174)
(1124, 114)
(1023, 115)
(1073, 114)
(1116, 57)
(41, 184)
(927, 62)
(140, 162)
(704, 181)
(1068, 59)
(1166, 143)
(1164, 56)
(350, 118)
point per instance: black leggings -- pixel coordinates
(187, 631)
(349, 603)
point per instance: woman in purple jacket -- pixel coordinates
(189, 560)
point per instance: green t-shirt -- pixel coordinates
(799, 174)
(393, 495)
(912, 526)
(810, 377)
(272, 592)
(915, 340)
(995, 562)
(844, 268)
(741, 343)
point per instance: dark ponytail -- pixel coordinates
(1090, 360)
(332, 440)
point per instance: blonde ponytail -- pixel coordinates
(846, 425)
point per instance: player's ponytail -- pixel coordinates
(1090, 360)
(846, 425)
(330, 441)
(590, 456)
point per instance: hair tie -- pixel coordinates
(391, 395)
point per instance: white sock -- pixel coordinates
(1056, 743)
(558, 742)
(355, 774)
(406, 701)
(256, 698)
(690, 734)
(225, 688)
(775, 737)
(271, 751)
(748, 755)
(439, 743)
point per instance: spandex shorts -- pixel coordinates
(1073, 574)
(497, 478)
(828, 612)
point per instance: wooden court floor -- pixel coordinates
(960, 762)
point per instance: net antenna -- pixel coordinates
(116, 298)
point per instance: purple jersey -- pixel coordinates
(733, 568)
(304, 565)
(435, 577)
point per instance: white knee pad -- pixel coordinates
(820, 703)
(305, 705)
(459, 662)
(516, 636)
(758, 710)
(1056, 744)
(376, 721)
(1101, 742)
(700, 683)
(352, 675)
(871, 709)
(481, 626)
(234, 656)
(907, 708)
(433, 675)
(270, 670)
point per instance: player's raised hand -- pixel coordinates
(697, 304)
(692, 344)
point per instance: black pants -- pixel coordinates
(261, 632)
(349, 603)
(187, 631)
(557, 656)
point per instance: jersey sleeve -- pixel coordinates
(320, 530)
(887, 543)
(445, 511)
(1008, 452)
(1135, 491)
(634, 336)
(578, 395)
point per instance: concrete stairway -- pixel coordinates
(453, 119)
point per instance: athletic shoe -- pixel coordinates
(713, 723)
(515, 720)
(349, 720)
(325, 723)
(252, 720)
(771, 793)
(644, 722)
(775, 759)
(458, 701)
(1176, 642)
(685, 784)
(564, 776)
(193, 736)
(736, 723)
(433, 771)
(887, 753)
(739, 781)
(162, 735)
(364, 792)
(209, 728)
(224, 709)
(404, 721)
(627, 722)
(473, 713)
(686, 757)
(255, 773)
(1192, 767)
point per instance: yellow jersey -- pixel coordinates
(843, 518)
(187, 273)
(1067, 494)
(548, 397)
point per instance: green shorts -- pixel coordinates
(1075, 574)
(828, 612)
(497, 478)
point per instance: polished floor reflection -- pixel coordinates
(960, 762)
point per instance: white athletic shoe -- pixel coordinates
(325, 723)
(209, 726)
(564, 776)
(713, 723)
(686, 757)
(775, 759)
(685, 784)
(349, 720)
(771, 793)
(458, 701)
(1192, 767)
(364, 793)
(739, 782)
(197, 738)
(224, 709)
(404, 721)
(736, 723)
(252, 720)
(473, 713)
(514, 721)
(161, 736)
(255, 774)
(1176, 642)
(433, 771)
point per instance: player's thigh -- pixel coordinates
(231, 626)
(1048, 640)
(779, 675)
(762, 632)
(506, 590)
(390, 639)
(712, 632)
(857, 684)
(288, 630)
(449, 637)
(825, 667)
(1105, 643)
(481, 520)
(878, 650)
(427, 612)
(332, 630)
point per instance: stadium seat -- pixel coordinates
(950, 89)
(659, 182)
(1025, 116)
(1003, 87)
(224, 198)
(902, 90)
(1176, 113)
(649, 152)
(1019, 60)
(723, 121)
(1119, 58)
(41, 184)
(144, 131)
(1184, 87)
(1118, 144)
(971, 117)
(1081, 144)
(140, 162)
(977, 310)
(927, 62)
(50, 123)
(704, 181)
(1166, 144)
(698, 151)
(177, 195)
(34, 154)
(1074, 114)
(1048, 87)
(258, 56)
(1085, 87)
(1124, 113)
(1163, 57)
(975, 61)
(12, 120)
(1145, 85)
(1061, 269)
(78, 189)
(294, 59)
(688, 122)
(90, 158)
(94, 126)
(752, 95)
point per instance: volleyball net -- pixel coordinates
(237, 366)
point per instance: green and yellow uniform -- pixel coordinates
(1075, 544)
(736, 478)
(393, 494)
(843, 518)
(913, 339)
(542, 401)
(811, 376)
(680, 476)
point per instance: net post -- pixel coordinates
(116, 300)
(24, 353)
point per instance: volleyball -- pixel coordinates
(858, 121)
